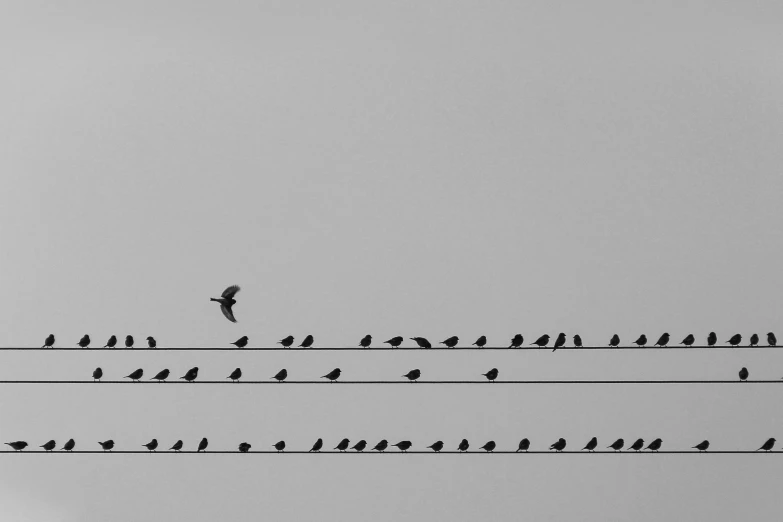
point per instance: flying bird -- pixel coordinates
(560, 341)
(381, 446)
(422, 342)
(413, 375)
(68, 446)
(764, 447)
(641, 341)
(49, 446)
(771, 339)
(191, 375)
(403, 445)
(107, 445)
(636, 446)
(394, 342)
(743, 374)
(49, 342)
(84, 342)
(151, 342)
(244, 447)
(489, 447)
(366, 341)
(343, 445)
(287, 341)
(524, 445)
(754, 340)
(136, 375)
(436, 447)
(577, 341)
(663, 340)
(281, 375)
(712, 339)
(128, 341)
(590, 446)
(451, 342)
(702, 446)
(617, 445)
(242, 342)
(308, 342)
(655, 445)
(226, 301)
(279, 446)
(491, 375)
(112, 342)
(614, 342)
(464, 445)
(517, 341)
(481, 342)
(735, 340)
(177, 446)
(541, 341)
(317, 446)
(235, 375)
(333, 375)
(559, 445)
(359, 446)
(161, 375)
(202, 446)
(97, 374)
(689, 340)
(19, 445)
(151, 445)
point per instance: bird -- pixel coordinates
(491, 375)
(559, 445)
(403, 445)
(524, 445)
(177, 446)
(735, 340)
(151, 445)
(655, 445)
(743, 374)
(84, 342)
(112, 342)
(286, 341)
(590, 446)
(702, 446)
(641, 341)
(413, 375)
(49, 342)
(68, 446)
(481, 342)
(202, 446)
(689, 340)
(464, 445)
(308, 342)
(617, 445)
(517, 341)
(279, 446)
(394, 342)
(541, 341)
(281, 375)
(771, 339)
(244, 447)
(19, 445)
(381, 446)
(754, 340)
(191, 374)
(366, 341)
(764, 447)
(489, 446)
(663, 340)
(333, 375)
(359, 446)
(128, 341)
(107, 445)
(451, 342)
(241, 342)
(97, 374)
(226, 301)
(636, 446)
(614, 341)
(436, 447)
(577, 341)
(136, 375)
(235, 375)
(151, 342)
(343, 445)
(317, 446)
(49, 446)
(712, 339)
(161, 375)
(560, 341)
(422, 342)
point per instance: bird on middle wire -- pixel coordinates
(464, 445)
(590, 446)
(517, 341)
(754, 340)
(614, 342)
(366, 341)
(771, 339)
(560, 341)
(317, 446)
(524, 445)
(702, 446)
(161, 375)
(112, 342)
(128, 341)
(743, 374)
(107, 445)
(436, 447)
(333, 375)
(177, 446)
(84, 342)
(541, 341)
(735, 340)
(403, 445)
(559, 445)
(689, 340)
(489, 447)
(413, 375)
(617, 445)
(151, 342)
(767, 446)
(97, 374)
(381, 446)
(191, 374)
(663, 340)
(49, 446)
(641, 341)
(281, 375)
(394, 342)
(235, 375)
(343, 445)
(422, 342)
(279, 446)
(480, 342)
(286, 341)
(308, 342)
(202, 446)
(151, 445)
(135, 376)
(451, 342)
(655, 445)
(241, 342)
(359, 446)
(491, 375)
(49, 342)
(636, 446)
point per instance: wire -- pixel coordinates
(418, 452)
(407, 383)
(386, 349)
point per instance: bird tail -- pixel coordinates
(213, 299)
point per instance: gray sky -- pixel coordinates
(412, 168)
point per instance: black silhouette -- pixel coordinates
(743, 374)
(702, 446)
(151, 342)
(308, 342)
(541, 341)
(151, 445)
(560, 341)
(68, 446)
(394, 342)
(279, 446)
(771, 339)
(241, 342)
(177, 446)
(617, 445)
(317, 446)
(202, 446)
(590, 446)
(366, 341)
(641, 341)
(764, 447)
(517, 341)
(281, 375)
(359, 446)
(524, 445)
(422, 342)
(403, 445)
(481, 342)
(614, 342)
(97, 374)
(413, 375)
(128, 341)
(112, 342)
(84, 342)
(735, 340)
(49, 446)
(754, 340)
(191, 374)
(464, 445)
(333, 375)
(49, 342)
(655, 445)
(436, 447)
(287, 341)
(489, 447)
(712, 339)
(559, 445)
(381, 446)
(235, 375)
(577, 341)
(343, 445)
(636, 446)
(19, 445)
(136, 375)
(244, 447)
(689, 340)
(491, 375)
(451, 342)
(663, 340)
(108, 445)
(226, 301)
(161, 375)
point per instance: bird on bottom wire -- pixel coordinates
(591, 445)
(49, 446)
(18, 445)
(541, 341)
(413, 375)
(286, 341)
(177, 446)
(235, 375)
(422, 342)
(578, 341)
(128, 341)
(135, 376)
(359, 446)
(112, 342)
(637, 445)
(436, 447)
(151, 445)
(702, 446)
(191, 374)
(394, 342)
(244, 447)
(49, 342)
(767, 446)
(317, 446)
(480, 342)
(161, 375)
(663, 340)
(464, 445)
(517, 341)
(366, 341)
(343, 445)
(489, 447)
(559, 445)
(617, 445)
(641, 341)
(68, 446)
(97, 374)
(84, 342)
(712, 339)
(281, 375)
(559, 342)
(107, 445)
(655, 445)
(308, 342)
(743, 374)
(202, 446)
(689, 340)
(151, 342)
(403, 445)
(524, 445)
(279, 446)
(451, 342)
(491, 375)
(241, 342)
(333, 375)
(381, 446)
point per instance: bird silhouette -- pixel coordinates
(560, 341)
(577, 341)
(107, 445)
(381, 446)
(279, 446)
(764, 447)
(559, 445)
(128, 341)
(413, 375)
(19, 445)
(436, 447)
(333, 375)
(541, 341)
(491, 375)
(754, 340)
(49, 342)
(663, 340)
(226, 301)
(191, 374)
(481, 342)
(49, 446)
(343, 445)
(489, 447)
(614, 342)
(451, 342)
(524, 445)
(641, 341)
(235, 375)
(590, 446)
(241, 342)
(743, 374)
(464, 445)
(112, 342)
(84, 342)
(151, 445)
(403, 445)
(735, 340)
(244, 447)
(689, 340)
(712, 339)
(177, 446)
(136, 375)
(97, 374)
(366, 341)
(317, 446)
(771, 339)
(359, 446)
(517, 341)
(617, 445)
(68, 446)
(702, 446)
(281, 375)
(636, 446)
(655, 445)
(161, 375)
(287, 341)
(308, 342)
(394, 342)
(151, 342)
(202, 446)
(422, 342)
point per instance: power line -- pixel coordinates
(406, 383)
(411, 452)
(387, 349)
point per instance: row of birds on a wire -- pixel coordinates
(404, 445)
(516, 342)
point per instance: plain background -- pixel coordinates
(393, 168)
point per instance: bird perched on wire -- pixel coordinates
(151, 445)
(394, 342)
(464, 445)
(617, 445)
(712, 339)
(663, 340)
(614, 342)
(359, 446)
(84, 342)
(702, 446)
(177, 446)
(413, 375)
(317, 446)
(436, 447)
(191, 374)
(689, 340)
(112, 342)
(235, 375)
(151, 342)
(541, 341)
(491, 375)
(764, 447)
(481, 342)
(107, 445)
(161, 375)
(226, 301)
(68, 446)
(97, 374)
(637, 445)
(403, 445)
(202, 446)
(281, 375)
(241, 342)
(754, 340)
(366, 341)
(49, 446)
(641, 341)
(422, 342)
(128, 341)
(308, 342)
(287, 341)
(244, 447)
(381, 446)
(489, 447)
(590, 446)
(743, 374)
(135, 376)
(560, 341)
(524, 445)
(333, 375)
(735, 340)
(451, 342)
(559, 445)
(771, 339)
(18, 445)
(517, 341)
(49, 342)
(343, 445)
(578, 341)
(655, 445)
(279, 446)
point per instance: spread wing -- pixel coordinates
(228, 313)
(231, 291)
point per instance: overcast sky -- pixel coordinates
(390, 168)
